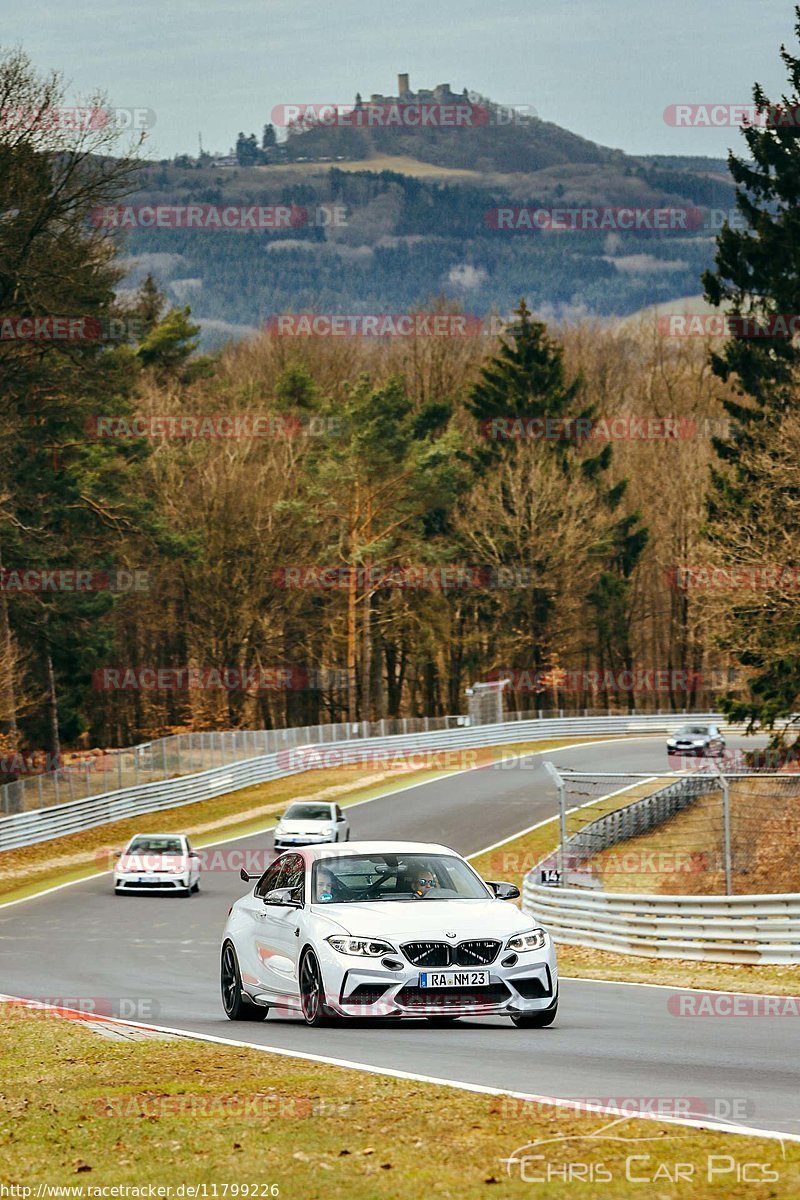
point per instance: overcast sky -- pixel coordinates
(605, 69)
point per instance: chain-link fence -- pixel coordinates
(698, 833)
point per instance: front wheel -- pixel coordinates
(537, 1020)
(312, 992)
(237, 1007)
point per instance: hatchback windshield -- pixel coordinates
(692, 731)
(307, 812)
(155, 845)
(350, 878)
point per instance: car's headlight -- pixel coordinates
(671, 742)
(367, 947)
(531, 939)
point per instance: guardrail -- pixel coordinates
(27, 828)
(732, 929)
(95, 774)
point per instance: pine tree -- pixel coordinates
(526, 380)
(757, 279)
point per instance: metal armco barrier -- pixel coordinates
(27, 828)
(755, 929)
(730, 929)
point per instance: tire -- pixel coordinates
(237, 1008)
(315, 1012)
(196, 887)
(538, 1020)
(186, 893)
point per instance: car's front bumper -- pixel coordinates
(355, 987)
(290, 841)
(150, 882)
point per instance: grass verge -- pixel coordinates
(31, 869)
(93, 1113)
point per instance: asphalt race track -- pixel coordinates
(610, 1040)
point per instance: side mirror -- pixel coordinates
(117, 854)
(341, 817)
(247, 878)
(503, 891)
(283, 897)
(193, 854)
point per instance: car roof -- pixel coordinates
(156, 835)
(324, 803)
(337, 849)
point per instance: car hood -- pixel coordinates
(409, 920)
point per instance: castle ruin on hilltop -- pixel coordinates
(441, 94)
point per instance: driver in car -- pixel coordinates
(328, 888)
(423, 881)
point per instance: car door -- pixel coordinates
(251, 934)
(278, 927)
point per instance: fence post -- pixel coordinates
(726, 832)
(560, 783)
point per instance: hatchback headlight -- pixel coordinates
(366, 947)
(531, 939)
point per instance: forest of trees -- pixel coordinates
(359, 545)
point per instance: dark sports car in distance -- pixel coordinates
(704, 741)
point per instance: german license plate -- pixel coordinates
(452, 979)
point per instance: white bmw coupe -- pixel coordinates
(384, 929)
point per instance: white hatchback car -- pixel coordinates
(309, 822)
(384, 929)
(157, 862)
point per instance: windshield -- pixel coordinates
(155, 845)
(692, 731)
(307, 812)
(349, 878)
